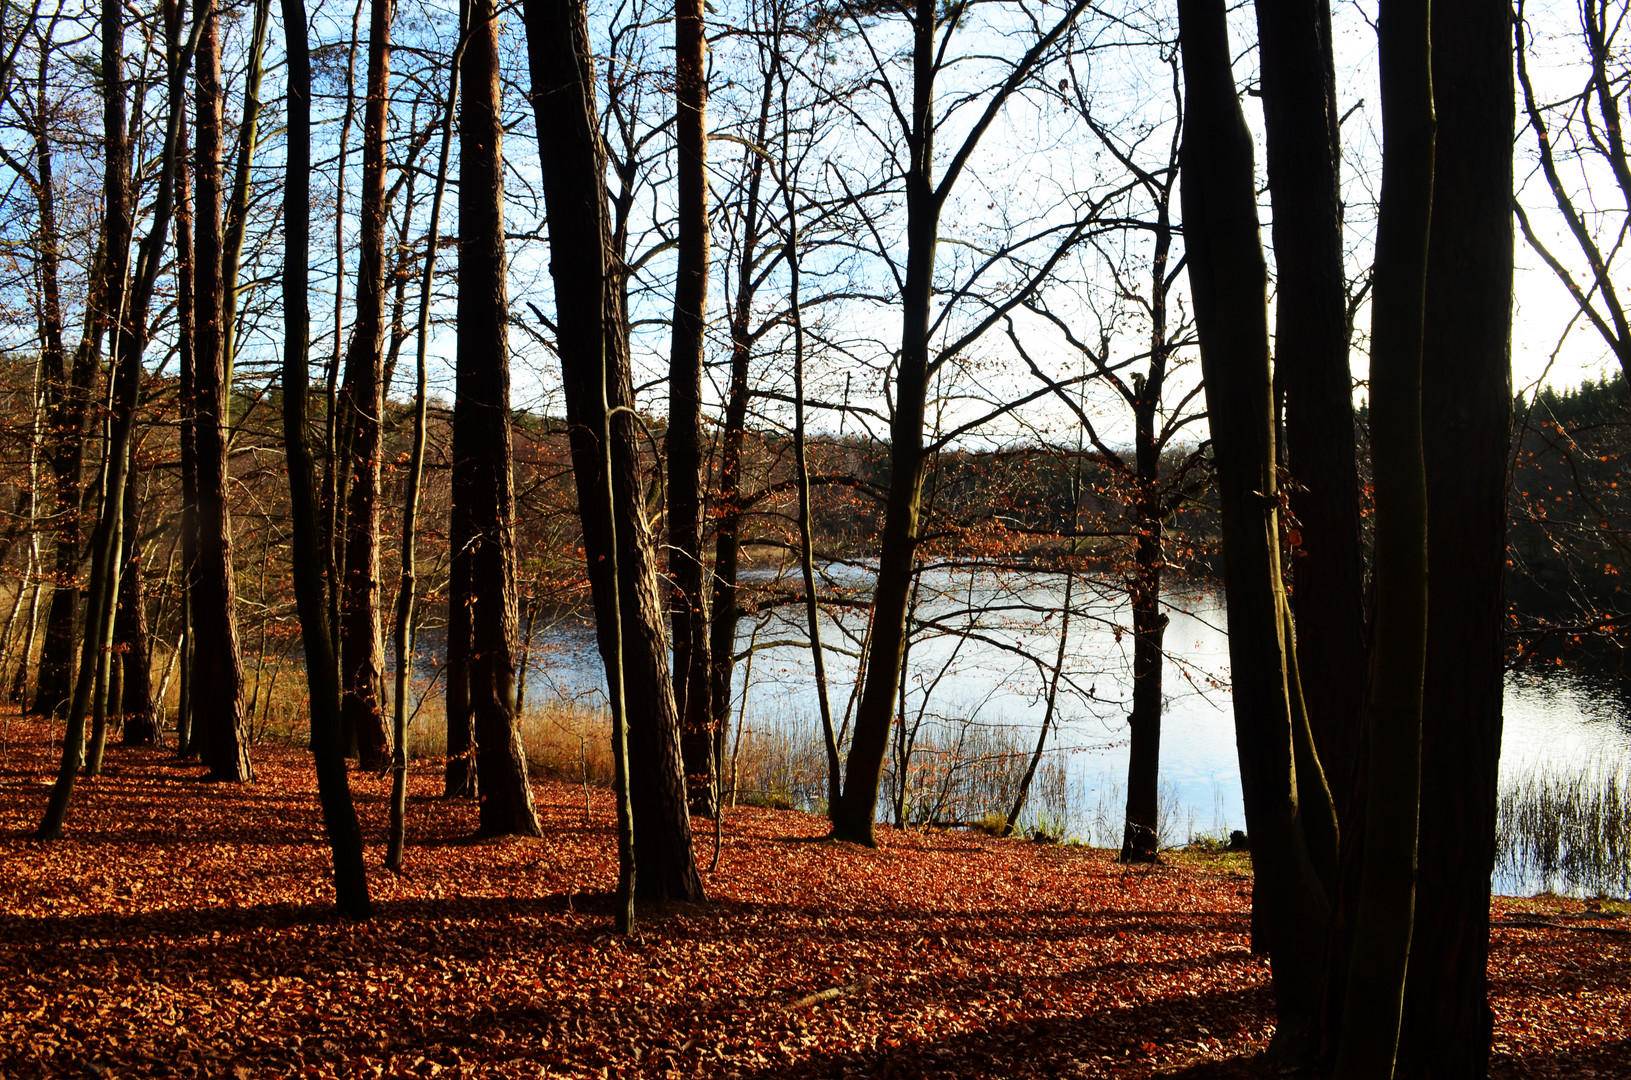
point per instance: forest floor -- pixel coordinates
(186, 929)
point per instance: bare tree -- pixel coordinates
(592, 341)
(1584, 130)
(322, 670)
(932, 26)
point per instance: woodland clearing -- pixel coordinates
(187, 929)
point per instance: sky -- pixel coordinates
(1031, 160)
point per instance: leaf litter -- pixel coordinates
(186, 929)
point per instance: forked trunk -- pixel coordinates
(1227, 278)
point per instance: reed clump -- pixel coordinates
(1567, 830)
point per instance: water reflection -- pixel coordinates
(980, 657)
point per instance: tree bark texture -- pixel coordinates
(309, 562)
(186, 360)
(1141, 837)
(362, 646)
(483, 561)
(1311, 368)
(1227, 278)
(1382, 929)
(217, 669)
(135, 699)
(1466, 420)
(590, 326)
(686, 467)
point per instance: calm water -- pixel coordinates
(974, 662)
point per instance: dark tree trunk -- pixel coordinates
(685, 479)
(117, 228)
(217, 690)
(459, 771)
(1311, 369)
(483, 562)
(1466, 420)
(1373, 999)
(1141, 838)
(55, 670)
(592, 336)
(322, 673)
(175, 26)
(135, 699)
(1227, 277)
(362, 648)
(854, 812)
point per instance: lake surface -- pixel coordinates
(980, 664)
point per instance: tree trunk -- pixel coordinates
(1227, 277)
(135, 700)
(855, 811)
(408, 584)
(1141, 838)
(592, 338)
(459, 771)
(1466, 421)
(801, 467)
(362, 647)
(1382, 928)
(686, 468)
(322, 673)
(1311, 368)
(854, 814)
(175, 22)
(217, 673)
(483, 561)
(335, 461)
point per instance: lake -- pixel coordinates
(979, 667)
